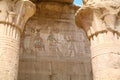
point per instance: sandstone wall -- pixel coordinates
(52, 47)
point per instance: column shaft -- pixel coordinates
(13, 16)
(101, 21)
(9, 52)
(105, 56)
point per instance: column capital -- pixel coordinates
(16, 12)
(99, 17)
(90, 2)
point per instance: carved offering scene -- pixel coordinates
(52, 46)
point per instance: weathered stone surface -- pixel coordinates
(88, 2)
(100, 20)
(62, 1)
(12, 21)
(52, 47)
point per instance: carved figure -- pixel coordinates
(70, 47)
(71, 50)
(53, 43)
(38, 41)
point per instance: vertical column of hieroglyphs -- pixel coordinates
(101, 21)
(13, 16)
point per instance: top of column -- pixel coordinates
(16, 12)
(98, 1)
(99, 15)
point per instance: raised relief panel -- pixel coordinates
(53, 41)
(38, 41)
(54, 44)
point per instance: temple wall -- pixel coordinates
(52, 47)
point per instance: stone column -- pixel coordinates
(13, 16)
(101, 22)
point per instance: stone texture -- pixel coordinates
(100, 20)
(98, 1)
(10, 28)
(61, 1)
(52, 47)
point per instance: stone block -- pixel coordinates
(60, 77)
(78, 77)
(42, 67)
(26, 67)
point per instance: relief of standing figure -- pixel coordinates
(53, 43)
(38, 41)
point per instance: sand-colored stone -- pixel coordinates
(100, 19)
(52, 47)
(60, 1)
(11, 25)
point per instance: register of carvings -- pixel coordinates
(100, 19)
(52, 47)
(57, 41)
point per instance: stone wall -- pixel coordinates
(61, 1)
(52, 47)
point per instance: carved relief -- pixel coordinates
(54, 43)
(62, 42)
(69, 42)
(38, 41)
(51, 41)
